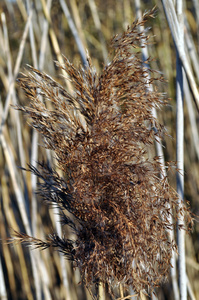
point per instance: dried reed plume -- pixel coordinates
(112, 194)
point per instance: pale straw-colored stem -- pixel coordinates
(160, 154)
(3, 293)
(15, 73)
(97, 23)
(74, 32)
(175, 31)
(180, 153)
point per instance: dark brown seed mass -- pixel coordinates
(119, 202)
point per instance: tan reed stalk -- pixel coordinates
(44, 39)
(22, 9)
(12, 224)
(15, 73)
(21, 204)
(190, 291)
(3, 293)
(192, 117)
(97, 23)
(74, 32)
(34, 160)
(78, 22)
(54, 40)
(160, 154)
(191, 49)
(14, 101)
(180, 151)
(38, 280)
(101, 293)
(175, 30)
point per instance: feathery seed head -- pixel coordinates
(101, 135)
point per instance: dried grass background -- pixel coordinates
(37, 35)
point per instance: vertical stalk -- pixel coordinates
(98, 26)
(160, 154)
(180, 155)
(3, 293)
(175, 31)
(74, 31)
(121, 291)
(101, 292)
(15, 73)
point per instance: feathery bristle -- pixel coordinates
(101, 135)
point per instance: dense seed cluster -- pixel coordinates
(117, 201)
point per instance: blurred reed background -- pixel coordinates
(38, 32)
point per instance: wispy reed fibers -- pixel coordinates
(112, 194)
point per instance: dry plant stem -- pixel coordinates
(34, 160)
(3, 293)
(34, 155)
(15, 182)
(101, 293)
(13, 95)
(74, 32)
(83, 55)
(78, 22)
(38, 280)
(196, 9)
(143, 296)
(55, 42)
(192, 117)
(10, 218)
(180, 154)
(190, 291)
(31, 35)
(15, 73)
(149, 86)
(97, 23)
(121, 291)
(191, 48)
(128, 297)
(34, 143)
(192, 263)
(18, 193)
(22, 9)
(175, 30)
(9, 7)
(44, 38)
(160, 154)
(127, 13)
